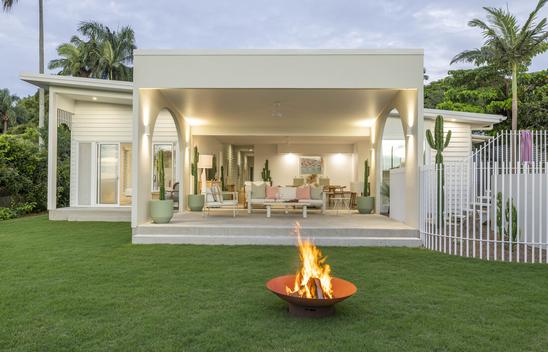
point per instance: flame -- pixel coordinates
(313, 280)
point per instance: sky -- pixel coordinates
(437, 26)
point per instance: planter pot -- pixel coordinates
(161, 211)
(196, 202)
(365, 204)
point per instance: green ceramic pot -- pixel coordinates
(196, 202)
(366, 205)
(161, 211)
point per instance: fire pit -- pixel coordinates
(312, 292)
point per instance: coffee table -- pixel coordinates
(285, 205)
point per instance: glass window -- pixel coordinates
(393, 154)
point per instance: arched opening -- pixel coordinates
(392, 156)
(165, 140)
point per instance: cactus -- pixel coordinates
(265, 174)
(194, 169)
(366, 186)
(161, 175)
(439, 142)
(499, 213)
(212, 173)
(510, 228)
(512, 224)
(223, 188)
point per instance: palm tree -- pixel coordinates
(7, 5)
(74, 59)
(111, 52)
(507, 47)
(7, 108)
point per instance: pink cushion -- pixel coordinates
(303, 192)
(271, 192)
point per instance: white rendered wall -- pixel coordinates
(147, 105)
(338, 166)
(397, 192)
(409, 104)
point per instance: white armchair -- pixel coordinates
(215, 199)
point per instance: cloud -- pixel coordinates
(438, 26)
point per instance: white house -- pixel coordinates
(246, 107)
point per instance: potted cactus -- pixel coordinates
(366, 203)
(161, 210)
(196, 200)
(265, 173)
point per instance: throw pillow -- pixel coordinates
(258, 191)
(272, 192)
(217, 193)
(316, 193)
(303, 192)
(288, 193)
(210, 195)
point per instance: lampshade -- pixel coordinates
(205, 161)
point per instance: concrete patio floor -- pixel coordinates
(330, 229)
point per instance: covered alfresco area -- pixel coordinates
(249, 106)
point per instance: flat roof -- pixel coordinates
(273, 52)
(472, 117)
(43, 80)
(47, 80)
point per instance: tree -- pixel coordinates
(484, 90)
(8, 112)
(73, 61)
(103, 53)
(113, 50)
(7, 5)
(508, 47)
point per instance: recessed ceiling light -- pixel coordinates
(365, 123)
(94, 98)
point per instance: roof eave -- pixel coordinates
(468, 117)
(46, 81)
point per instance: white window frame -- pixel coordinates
(96, 173)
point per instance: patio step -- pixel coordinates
(248, 235)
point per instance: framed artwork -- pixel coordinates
(309, 165)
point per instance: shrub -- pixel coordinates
(23, 171)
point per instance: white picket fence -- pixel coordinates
(494, 204)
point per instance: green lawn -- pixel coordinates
(83, 286)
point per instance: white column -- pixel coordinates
(414, 158)
(182, 160)
(52, 151)
(141, 161)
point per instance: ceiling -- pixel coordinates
(253, 140)
(281, 112)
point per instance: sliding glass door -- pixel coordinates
(107, 173)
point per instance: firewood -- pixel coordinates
(319, 291)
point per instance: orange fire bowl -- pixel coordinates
(311, 307)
